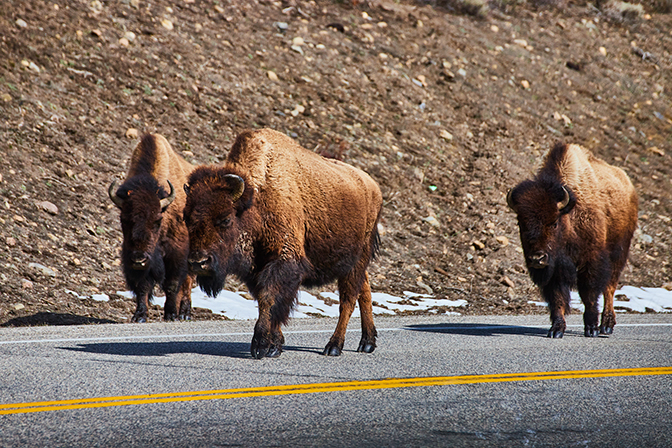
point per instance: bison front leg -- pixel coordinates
(267, 341)
(276, 296)
(558, 304)
(142, 290)
(184, 298)
(589, 290)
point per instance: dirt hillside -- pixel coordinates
(446, 104)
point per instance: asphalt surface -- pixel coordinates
(454, 397)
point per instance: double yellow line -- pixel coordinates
(390, 383)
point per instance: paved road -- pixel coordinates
(433, 381)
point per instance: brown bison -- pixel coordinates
(278, 216)
(576, 220)
(156, 243)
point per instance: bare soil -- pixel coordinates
(446, 110)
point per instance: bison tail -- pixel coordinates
(375, 239)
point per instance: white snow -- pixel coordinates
(631, 298)
(235, 305)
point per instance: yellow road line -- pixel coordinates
(295, 389)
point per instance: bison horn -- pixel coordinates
(112, 192)
(509, 200)
(237, 184)
(169, 200)
(562, 204)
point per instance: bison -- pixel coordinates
(156, 243)
(576, 219)
(278, 216)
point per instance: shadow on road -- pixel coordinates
(480, 329)
(228, 349)
(44, 318)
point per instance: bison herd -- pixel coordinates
(278, 216)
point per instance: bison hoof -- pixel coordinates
(139, 319)
(184, 317)
(606, 330)
(265, 350)
(170, 317)
(591, 332)
(555, 334)
(366, 347)
(332, 350)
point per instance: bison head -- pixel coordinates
(142, 202)
(216, 202)
(542, 208)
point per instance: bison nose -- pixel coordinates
(538, 260)
(200, 263)
(139, 260)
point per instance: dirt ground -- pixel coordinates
(446, 106)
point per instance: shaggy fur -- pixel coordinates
(156, 245)
(584, 244)
(301, 219)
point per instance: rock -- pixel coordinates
(167, 24)
(132, 133)
(478, 245)
(656, 150)
(644, 238)
(494, 28)
(667, 286)
(43, 269)
(525, 84)
(520, 42)
(26, 284)
(21, 23)
(129, 36)
(446, 135)
(506, 281)
(6, 97)
(603, 51)
(124, 42)
(432, 221)
(462, 72)
(299, 109)
(272, 75)
(282, 26)
(48, 207)
(18, 306)
(504, 241)
(11, 241)
(298, 41)
(297, 49)
(31, 65)
(425, 286)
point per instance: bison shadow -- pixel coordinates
(44, 318)
(208, 348)
(480, 329)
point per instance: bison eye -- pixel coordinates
(223, 222)
(555, 224)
